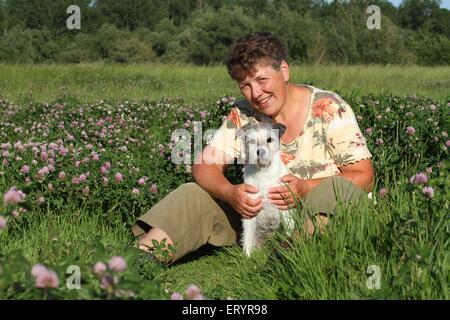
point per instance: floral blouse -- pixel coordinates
(330, 138)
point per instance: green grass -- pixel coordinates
(92, 82)
(404, 234)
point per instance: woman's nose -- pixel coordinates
(256, 91)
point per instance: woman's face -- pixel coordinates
(266, 88)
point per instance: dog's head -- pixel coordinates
(260, 141)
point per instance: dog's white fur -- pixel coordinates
(263, 169)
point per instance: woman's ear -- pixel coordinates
(284, 68)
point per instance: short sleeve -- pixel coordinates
(346, 143)
(225, 138)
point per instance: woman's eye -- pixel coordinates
(269, 140)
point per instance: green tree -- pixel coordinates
(132, 14)
(214, 31)
(415, 14)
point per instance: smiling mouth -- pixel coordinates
(264, 101)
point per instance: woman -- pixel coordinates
(322, 146)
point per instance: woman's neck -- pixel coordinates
(296, 96)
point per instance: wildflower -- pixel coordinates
(62, 175)
(86, 191)
(153, 188)
(419, 178)
(432, 107)
(40, 200)
(410, 130)
(107, 165)
(37, 270)
(118, 177)
(95, 157)
(135, 191)
(117, 263)
(369, 131)
(13, 196)
(99, 268)
(142, 180)
(108, 281)
(49, 279)
(25, 169)
(428, 192)
(82, 178)
(44, 278)
(63, 151)
(379, 142)
(103, 170)
(194, 293)
(176, 296)
(50, 187)
(3, 222)
(383, 192)
(75, 180)
(447, 143)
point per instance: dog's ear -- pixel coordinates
(281, 128)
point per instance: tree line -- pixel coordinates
(200, 31)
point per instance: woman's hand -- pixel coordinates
(283, 196)
(237, 197)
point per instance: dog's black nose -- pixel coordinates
(260, 152)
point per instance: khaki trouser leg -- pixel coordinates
(330, 194)
(191, 218)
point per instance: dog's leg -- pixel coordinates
(249, 235)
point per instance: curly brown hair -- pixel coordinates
(253, 49)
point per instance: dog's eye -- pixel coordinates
(269, 140)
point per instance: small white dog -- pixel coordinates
(263, 168)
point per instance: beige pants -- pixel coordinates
(192, 218)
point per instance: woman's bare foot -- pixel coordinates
(146, 244)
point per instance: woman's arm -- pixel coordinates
(208, 172)
(360, 173)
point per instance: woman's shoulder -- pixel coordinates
(318, 94)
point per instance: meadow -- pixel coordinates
(86, 149)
